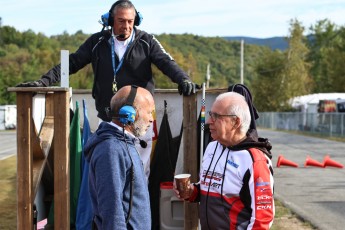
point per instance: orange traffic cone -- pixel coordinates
(311, 162)
(327, 161)
(283, 161)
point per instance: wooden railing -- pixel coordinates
(33, 149)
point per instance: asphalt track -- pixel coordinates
(8, 144)
(315, 194)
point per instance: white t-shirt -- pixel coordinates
(121, 46)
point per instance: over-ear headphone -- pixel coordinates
(107, 19)
(127, 112)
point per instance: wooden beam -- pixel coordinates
(190, 155)
(35, 142)
(40, 147)
(61, 161)
(37, 171)
(37, 89)
(49, 104)
(39, 160)
(48, 174)
(47, 134)
(25, 195)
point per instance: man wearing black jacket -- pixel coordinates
(120, 56)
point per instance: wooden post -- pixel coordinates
(25, 195)
(61, 161)
(190, 155)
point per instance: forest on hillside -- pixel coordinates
(274, 76)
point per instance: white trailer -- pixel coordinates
(8, 117)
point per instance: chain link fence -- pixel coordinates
(328, 124)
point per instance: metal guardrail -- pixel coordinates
(328, 124)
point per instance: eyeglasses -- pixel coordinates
(215, 116)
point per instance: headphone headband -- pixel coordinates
(108, 18)
(132, 94)
(127, 113)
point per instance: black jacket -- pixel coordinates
(136, 68)
(262, 144)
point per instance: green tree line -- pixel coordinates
(311, 64)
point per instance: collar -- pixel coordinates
(125, 42)
(121, 129)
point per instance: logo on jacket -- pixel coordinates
(260, 182)
(233, 164)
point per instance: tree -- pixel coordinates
(334, 63)
(282, 76)
(267, 93)
(295, 77)
(322, 44)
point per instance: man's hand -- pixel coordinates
(37, 83)
(187, 88)
(177, 193)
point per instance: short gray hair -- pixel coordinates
(240, 109)
(123, 4)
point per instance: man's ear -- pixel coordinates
(236, 123)
(137, 114)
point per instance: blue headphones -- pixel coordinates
(127, 112)
(107, 19)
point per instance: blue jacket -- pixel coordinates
(111, 154)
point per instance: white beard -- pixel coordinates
(139, 128)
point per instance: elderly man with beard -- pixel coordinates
(118, 187)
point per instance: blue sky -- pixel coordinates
(255, 18)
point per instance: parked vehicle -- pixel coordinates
(330, 106)
(8, 117)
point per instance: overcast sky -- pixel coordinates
(254, 18)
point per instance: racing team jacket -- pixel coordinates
(236, 187)
(135, 70)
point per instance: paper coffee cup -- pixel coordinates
(182, 184)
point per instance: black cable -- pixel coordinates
(209, 184)
(221, 188)
(131, 185)
(214, 153)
